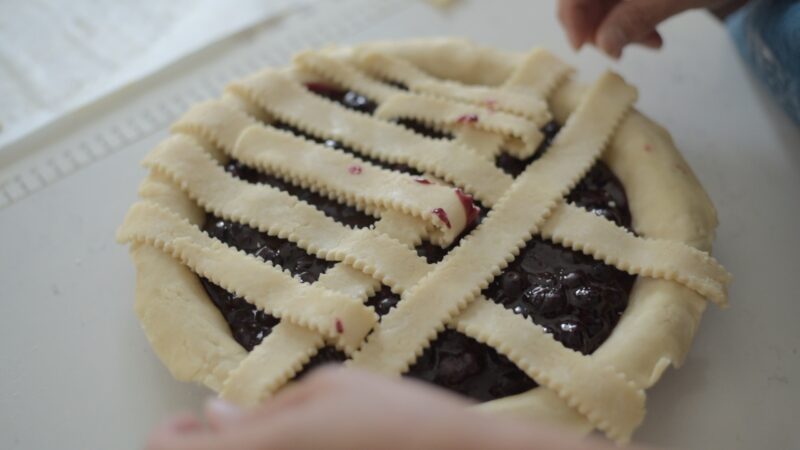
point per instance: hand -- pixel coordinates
(337, 408)
(613, 24)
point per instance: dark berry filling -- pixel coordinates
(575, 298)
(279, 251)
(383, 300)
(249, 325)
(457, 362)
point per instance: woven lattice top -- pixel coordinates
(484, 120)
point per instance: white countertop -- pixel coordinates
(76, 371)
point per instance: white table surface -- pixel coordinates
(77, 373)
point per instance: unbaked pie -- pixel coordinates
(434, 209)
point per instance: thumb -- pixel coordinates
(633, 20)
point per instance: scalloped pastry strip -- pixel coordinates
(274, 291)
(440, 112)
(345, 75)
(279, 214)
(467, 269)
(540, 71)
(353, 181)
(264, 369)
(396, 69)
(600, 238)
(609, 401)
(284, 98)
(214, 121)
(486, 144)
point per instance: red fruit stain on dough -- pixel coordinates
(421, 180)
(467, 118)
(442, 215)
(339, 326)
(354, 170)
(468, 203)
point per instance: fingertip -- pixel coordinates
(611, 39)
(221, 414)
(652, 40)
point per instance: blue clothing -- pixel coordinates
(767, 34)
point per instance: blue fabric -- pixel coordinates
(767, 34)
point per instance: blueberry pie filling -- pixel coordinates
(572, 296)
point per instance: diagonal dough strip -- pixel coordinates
(345, 75)
(571, 227)
(523, 103)
(444, 113)
(581, 381)
(337, 316)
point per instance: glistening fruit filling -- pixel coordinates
(573, 297)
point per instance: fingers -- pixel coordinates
(635, 21)
(581, 18)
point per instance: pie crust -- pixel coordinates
(488, 99)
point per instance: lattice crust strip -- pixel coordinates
(483, 254)
(339, 317)
(608, 400)
(655, 258)
(346, 75)
(290, 102)
(523, 103)
(279, 214)
(354, 182)
(540, 72)
(271, 364)
(442, 113)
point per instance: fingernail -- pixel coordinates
(612, 39)
(220, 412)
